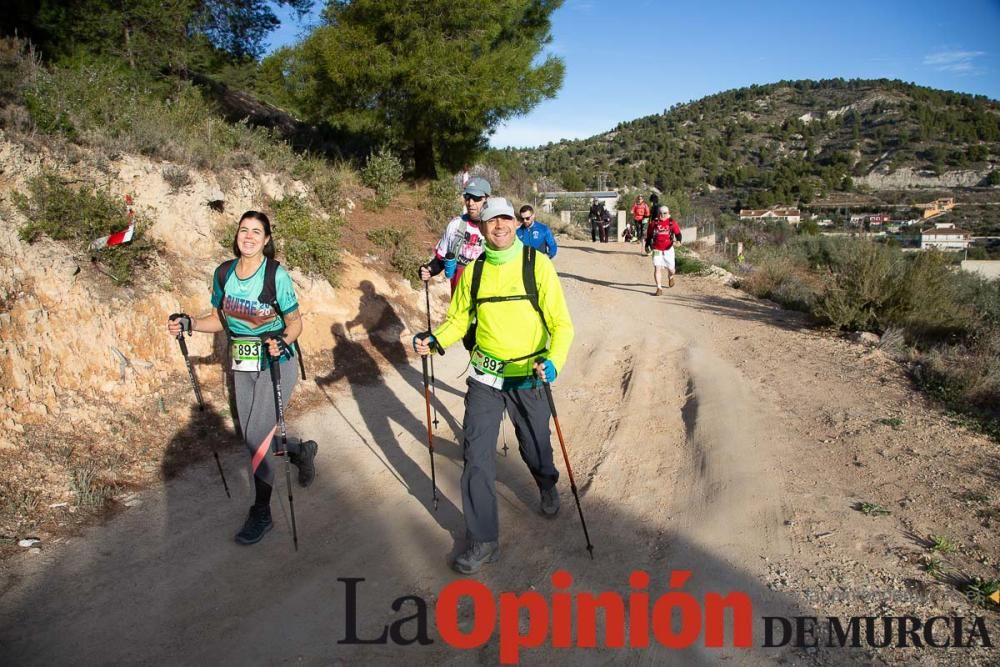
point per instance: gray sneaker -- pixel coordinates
(550, 502)
(477, 555)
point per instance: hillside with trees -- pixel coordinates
(790, 142)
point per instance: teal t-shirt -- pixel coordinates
(245, 315)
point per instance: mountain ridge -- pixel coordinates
(786, 142)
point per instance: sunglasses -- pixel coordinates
(527, 216)
(474, 198)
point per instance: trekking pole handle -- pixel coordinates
(187, 326)
(283, 345)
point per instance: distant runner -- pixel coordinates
(660, 237)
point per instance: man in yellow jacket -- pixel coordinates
(522, 339)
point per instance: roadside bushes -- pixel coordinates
(117, 111)
(402, 253)
(858, 285)
(307, 242)
(79, 216)
(951, 318)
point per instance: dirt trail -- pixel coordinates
(691, 421)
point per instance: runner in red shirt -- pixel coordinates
(660, 237)
(640, 212)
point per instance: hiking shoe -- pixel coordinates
(550, 502)
(306, 461)
(659, 291)
(670, 281)
(258, 523)
(477, 555)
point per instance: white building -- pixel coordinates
(788, 214)
(947, 238)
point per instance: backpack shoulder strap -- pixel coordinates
(269, 295)
(269, 292)
(530, 284)
(477, 277)
(222, 273)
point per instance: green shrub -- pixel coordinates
(383, 173)
(177, 178)
(306, 241)
(951, 316)
(403, 256)
(778, 277)
(18, 65)
(78, 217)
(442, 203)
(688, 263)
(327, 187)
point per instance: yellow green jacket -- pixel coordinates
(511, 329)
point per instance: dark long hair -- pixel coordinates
(262, 219)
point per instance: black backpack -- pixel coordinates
(268, 295)
(530, 293)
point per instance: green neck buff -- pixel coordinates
(504, 256)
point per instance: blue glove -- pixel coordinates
(431, 340)
(549, 369)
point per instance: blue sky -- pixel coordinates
(632, 58)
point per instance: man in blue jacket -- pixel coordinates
(536, 234)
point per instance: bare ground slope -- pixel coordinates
(707, 430)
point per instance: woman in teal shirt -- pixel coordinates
(257, 331)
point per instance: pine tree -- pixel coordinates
(432, 77)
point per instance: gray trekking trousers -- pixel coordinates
(258, 419)
(484, 406)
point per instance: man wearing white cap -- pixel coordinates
(523, 336)
(661, 234)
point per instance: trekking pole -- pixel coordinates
(276, 381)
(569, 470)
(197, 389)
(503, 427)
(427, 298)
(430, 433)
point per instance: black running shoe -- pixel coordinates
(258, 523)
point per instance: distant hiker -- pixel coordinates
(629, 235)
(605, 223)
(595, 219)
(536, 234)
(524, 332)
(660, 237)
(462, 238)
(640, 216)
(253, 301)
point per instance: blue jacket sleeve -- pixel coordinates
(550, 243)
